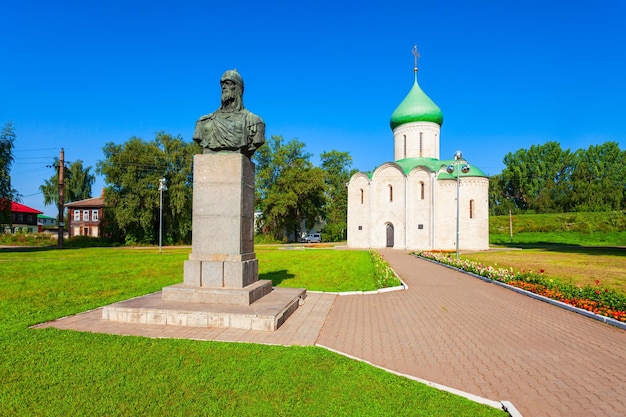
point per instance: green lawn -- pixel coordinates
(317, 269)
(50, 372)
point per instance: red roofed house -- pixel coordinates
(24, 219)
(84, 217)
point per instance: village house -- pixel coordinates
(84, 217)
(23, 219)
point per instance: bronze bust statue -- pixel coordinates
(231, 128)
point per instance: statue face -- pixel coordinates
(229, 91)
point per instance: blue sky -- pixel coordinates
(507, 75)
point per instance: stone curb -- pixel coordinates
(507, 406)
(400, 287)
(557, 303)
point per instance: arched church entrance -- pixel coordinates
(389, 232)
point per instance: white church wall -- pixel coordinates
(359, 207)
(445, 215)
(419, 213)
(474, 225)
(407, 143)
(474, 231)
(388, 187)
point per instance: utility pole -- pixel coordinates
(161, 188)
(61, 200)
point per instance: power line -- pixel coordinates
(36, 150)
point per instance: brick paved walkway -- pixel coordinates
(459, 331)
(454, 330)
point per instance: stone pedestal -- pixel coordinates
(221, 286)
(222, 267)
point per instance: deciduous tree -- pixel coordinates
(599, 178)
(336, 166)
(289, 189)
(132, 172)
(7, 192)
(538, 178)
(77, 180)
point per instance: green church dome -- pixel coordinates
(416, 107)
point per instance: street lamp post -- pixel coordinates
(161, 188)
(458, 161)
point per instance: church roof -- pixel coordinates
(416, 107)
(434, 165)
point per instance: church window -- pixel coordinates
(404, 144)
(421, 190)
(421, 143)
(390, 193)
(471, 209)
(361, 196)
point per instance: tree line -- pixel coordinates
(292, 195)
(548, 179)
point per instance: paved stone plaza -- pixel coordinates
(451, 329)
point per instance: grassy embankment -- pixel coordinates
(576, 248)
(50, 372)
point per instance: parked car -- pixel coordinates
(313, 238)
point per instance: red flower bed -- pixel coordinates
(583, 303)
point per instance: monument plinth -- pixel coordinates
(221, 286)
(222, 267)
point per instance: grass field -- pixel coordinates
(50, 372)
(569, 263)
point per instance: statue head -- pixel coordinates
(234, 76)
(232, 90)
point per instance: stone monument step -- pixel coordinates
(267, 313)
(218, 295)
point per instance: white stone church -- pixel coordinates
(411, 203)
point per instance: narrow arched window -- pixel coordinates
(361, 196)
(422, 190)
(390, 193)
(404, 144)
(471, 209)
(421, 144)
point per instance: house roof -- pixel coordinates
(90, 202)
(21, 208)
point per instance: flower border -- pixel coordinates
(533, 285)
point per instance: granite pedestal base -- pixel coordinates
(221, 286)
(266, 314)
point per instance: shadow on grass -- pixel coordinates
(6, 249)
(569, 248)
(276, 276)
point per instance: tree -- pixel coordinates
(7, 193)
(132, 172)
(336, 166)
(289, 190)
(598, 178)
(78, 182)
(538, 178)
(499, 204)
